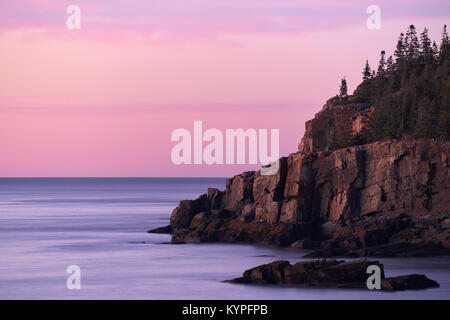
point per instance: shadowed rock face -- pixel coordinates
(331, 123)
(386, 198)
(330, 273)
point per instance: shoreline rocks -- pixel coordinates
(165, 230)
(388, 198)
(330, 273)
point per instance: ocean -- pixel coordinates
(100, 225)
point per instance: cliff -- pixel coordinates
(387, 198)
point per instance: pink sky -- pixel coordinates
(103, 100)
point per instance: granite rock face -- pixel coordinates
(331, 123)
(330, 273)
(386, 198)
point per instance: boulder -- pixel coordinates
(182, 215)
(408, 282)
(329, 273)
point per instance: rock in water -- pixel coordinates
(166, 229)
(329, 273)
(408, 282)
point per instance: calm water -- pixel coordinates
(100, 225)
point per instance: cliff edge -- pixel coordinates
(387, 198)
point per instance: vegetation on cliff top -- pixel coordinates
(410, 92)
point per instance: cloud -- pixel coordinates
(204, 108)
(178, 19)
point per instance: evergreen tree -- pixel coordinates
(390, 66)
(412, 43)
(435, 50)
(425, 44)
(399, 52)
(367, 74)
(444, 40)
(445, 44)
(343, 90)
(381, 64)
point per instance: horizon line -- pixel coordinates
(108, 177)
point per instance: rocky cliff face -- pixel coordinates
(332, 123)
(385, 198)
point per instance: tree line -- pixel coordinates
(410, 91)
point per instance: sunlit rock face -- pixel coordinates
(368, 199)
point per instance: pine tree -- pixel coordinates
(343, 90)
(412, 43)
(425, 44)
(381, 64)
(400, 50)
(444, 40)
(367, 73)
(390, 66)
(445, 44)
(435, 50)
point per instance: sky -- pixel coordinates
(104, 99)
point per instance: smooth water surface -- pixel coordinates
(100, 224)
